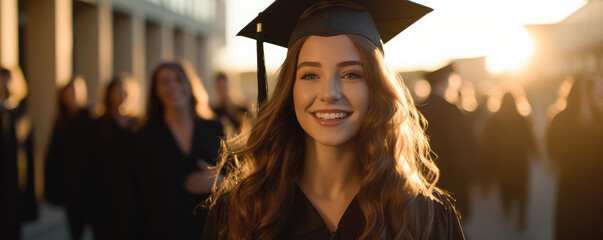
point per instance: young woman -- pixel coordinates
(67, 168)
(172, 154)
(337, 152)
(112, 199)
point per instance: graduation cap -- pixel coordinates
(439, 75)
(285, 21)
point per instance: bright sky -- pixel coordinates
(455, 29)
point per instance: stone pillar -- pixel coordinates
(129, 52)
(93, 34)
(48, 50)
(9, 34)
(159, 45)
(204, 64)
(185, 46)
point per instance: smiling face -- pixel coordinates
(330, 95)
(172, 90)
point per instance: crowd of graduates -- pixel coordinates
(495, 149)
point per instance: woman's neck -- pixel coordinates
(177, 117)
(330, 172)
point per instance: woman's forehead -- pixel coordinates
(336, 48)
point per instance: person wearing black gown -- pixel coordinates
(450, 139)
(172, 154)
(67, 168)
(508, 145)
(574, 140)
(227, 112)
(337, 151)
(112, 214)
(9, 186)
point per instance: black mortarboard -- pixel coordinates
(285, 21)
(439, 75)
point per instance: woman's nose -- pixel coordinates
(331, 89)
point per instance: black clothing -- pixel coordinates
(576, 149)
(10, 214)
(68, 171)
(508, 143)
(161, 169)
(112, 215)
(451, 140)
(306, 223)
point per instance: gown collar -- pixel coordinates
(307, 220)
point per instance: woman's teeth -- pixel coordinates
(329, 116)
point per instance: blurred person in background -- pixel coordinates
(227, 112)
(112, 215)
(450, 139)
(508, 143)
(10, 214)
(68, 169)
(172, 154)
(574, 143)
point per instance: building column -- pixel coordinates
(205, 48)
(48, 50)
(129, 53)
(160, 45)
(9, 34)
(93, 34)
(185, 45)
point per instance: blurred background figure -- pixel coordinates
(172, 154)
(229, 114)
(574, 143)
(450, 139)
(112, 214)
(68, 168)
(508, 143)
(17, 198)
(10, 214)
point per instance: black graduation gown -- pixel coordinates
(112, 214)
(67, 170)
(167, 210)
(576, 150)
(451, 140)
(10, 216)
(306, 223)
(508, 143)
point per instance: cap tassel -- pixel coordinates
(262, 89)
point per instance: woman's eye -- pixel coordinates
(309, 76)
(352, 76)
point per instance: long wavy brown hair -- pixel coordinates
(265, 162)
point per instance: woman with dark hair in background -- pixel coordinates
(508, 145)
(574, 144)
(112, 199)
(67, 170)
(172, 152)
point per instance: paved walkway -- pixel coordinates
(51, 225)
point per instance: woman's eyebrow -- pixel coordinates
(339, 65)
(349, 63)
(308, 64)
